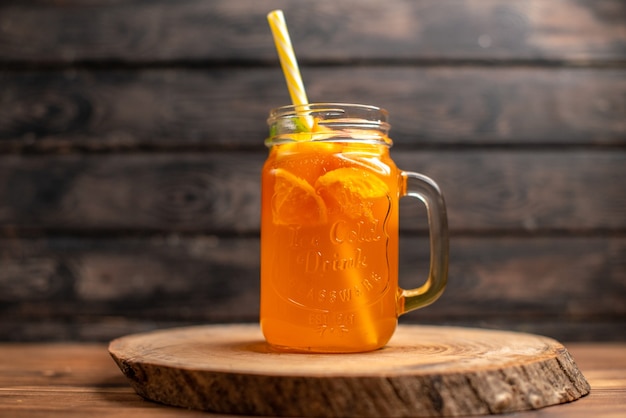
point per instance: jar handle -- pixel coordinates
(425, 189)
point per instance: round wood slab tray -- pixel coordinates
(423, 372)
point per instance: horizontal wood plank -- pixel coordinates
(70, 380)
(218, 191)
(92, 289)
(326, 30)
(47, 366)
(530, 191)
(227, 108)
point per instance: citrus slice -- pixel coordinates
(357, 181)
(352, 189)
(295, 202)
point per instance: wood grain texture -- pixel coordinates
(422, 372)
(74, 380)
(227, 108)
(131, 142)
(69, 380)
(137, 31)
(216, 192)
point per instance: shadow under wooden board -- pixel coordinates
(423, 371)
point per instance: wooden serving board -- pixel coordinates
(423, 371)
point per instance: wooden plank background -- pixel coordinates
(131, 140)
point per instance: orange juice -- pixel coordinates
(329, 262)
(329, 231)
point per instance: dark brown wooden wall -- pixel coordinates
(131, 140)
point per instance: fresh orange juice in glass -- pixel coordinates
(329, 231)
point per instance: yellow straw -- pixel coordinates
(288, 60)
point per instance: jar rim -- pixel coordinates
(329, 122)
(277, 111)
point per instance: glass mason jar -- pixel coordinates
(329, 231)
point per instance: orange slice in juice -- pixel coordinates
(295, 202)
(352, 189)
